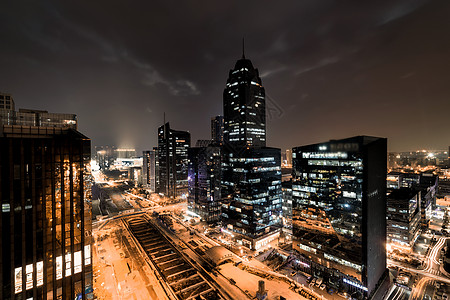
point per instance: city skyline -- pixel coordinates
(330, 71)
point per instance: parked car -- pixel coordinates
(323, 286)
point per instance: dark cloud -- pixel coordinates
(331, 68)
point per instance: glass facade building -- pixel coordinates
(46, 229)
(204, 183)
(172, 161)
(339, 210)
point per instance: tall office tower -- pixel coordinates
(251, 180)
(172, 161)
(45, 222)
(148, 169)
(6, 101)
(217, 129)
(244, 107)
(339, 210)
(204, 182)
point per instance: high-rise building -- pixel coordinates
(204, 182)
(403, 218)
(172, 161)
(217, 129)
(251, 180)
(45, 222)
(149, 169)
(339, 211)
(244, 107)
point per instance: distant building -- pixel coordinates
(204, 186)
(286, 187)
(251, 172)
(149, 169)
(289, 157)
(403, 218)
(217, 129)
(339, 211)
(125, 153)
(105, 156)
(6, 101)
(45, 223)
(172, 161)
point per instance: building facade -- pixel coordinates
(172, 161)
(339, 211)
(204, 185)
(46, 230)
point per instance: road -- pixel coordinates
(431, 271)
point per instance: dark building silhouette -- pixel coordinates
(204, 182)
(339, 210)
(217, 129)
(172, 161)
(251, 172)
(45, 223)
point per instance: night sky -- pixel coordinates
(331, 69)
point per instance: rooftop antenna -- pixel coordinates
(243, 48)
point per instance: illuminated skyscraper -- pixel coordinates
(244, 107)
(339, 211)
(172, 161)
(45, 222)
(251, 172)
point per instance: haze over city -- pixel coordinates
(330, 69)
